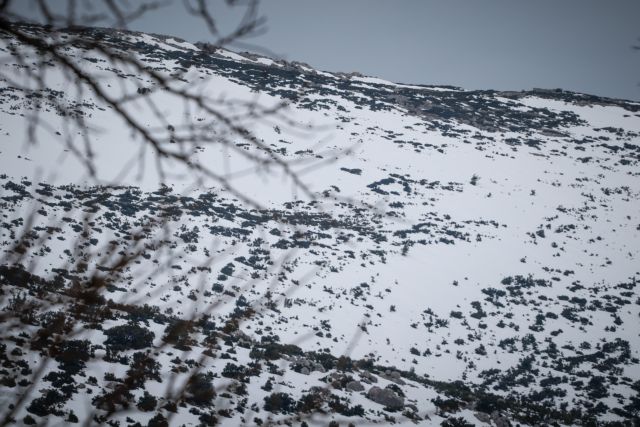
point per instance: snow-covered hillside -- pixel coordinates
(459, 254)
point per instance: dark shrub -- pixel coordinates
(178, 333)
(113, 400)
(142, 368)
(72, 354)
(72, 417)
(54, 322)
(200, 390)
(234, 371)
(48, 404)
(456, 422)
(147, 402)
(128, 337)
(279, 403)
(158, 421)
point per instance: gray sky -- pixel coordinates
(580, 45)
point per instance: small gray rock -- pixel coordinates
(393, 376)
(355, 386)
(335, 375)
(499, 420)
(483, 417)
(368, 377)
(385, 397)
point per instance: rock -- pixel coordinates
(336, 376)
(305, 371)
(369, 377)
(385, 397)
(355, 386)
(499, 420)
(483, 417)
(393, 376)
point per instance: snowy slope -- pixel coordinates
(482, 244)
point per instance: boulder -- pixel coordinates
(483, 417)
(336, 376)
(499, 420)
(355, 386)
(385, 397)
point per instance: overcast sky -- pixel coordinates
(580, 45)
